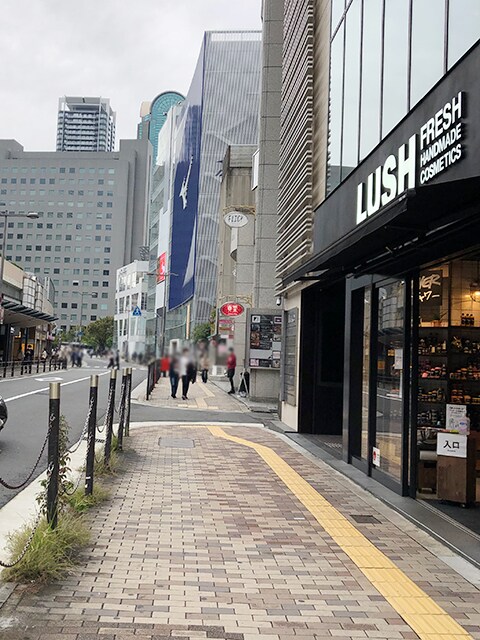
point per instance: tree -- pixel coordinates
(99, 333)
(201, 332)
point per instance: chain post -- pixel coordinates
(109, 416)
(5, 370)
(13, 368)
(129, 401)
(123, 409)
(92, 427)
(53, 454)
(38, 364)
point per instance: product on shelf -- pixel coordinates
(431, 395)
(460, 395)
(467, 320)
(431, 418)
(469, 372)
(465, 345)
(427, 370)
(432, 345)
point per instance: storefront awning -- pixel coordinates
(22, 316)
(416, 221)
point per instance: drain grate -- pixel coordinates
(365, 519)
(176, 443)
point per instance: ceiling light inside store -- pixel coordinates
(475, 291)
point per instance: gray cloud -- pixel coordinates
(126, 51)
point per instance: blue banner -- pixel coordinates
(185, 193)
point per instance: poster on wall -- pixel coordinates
(185, 194)
(265, 341)
(161, 267)
(430, 294)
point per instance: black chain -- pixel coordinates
(9, 565)
(14, 487)
(84, 430)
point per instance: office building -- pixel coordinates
(153, 115)
(85, 124)
(378, 252)
(220, 109)
(93, 212)
(131, 309)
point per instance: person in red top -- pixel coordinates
(231, 365)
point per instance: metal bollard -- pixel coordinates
(13, 368)
(5, 370)
(123, 410)
(109, 416)
(128, 401)
(53, 454)
(38, 364)
(92, 428)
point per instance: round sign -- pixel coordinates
(232, 309)
(235, 219)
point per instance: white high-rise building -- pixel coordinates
(85, 124)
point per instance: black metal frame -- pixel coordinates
(352, 397)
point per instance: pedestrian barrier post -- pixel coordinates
(92, 427)
(53, 454)
(109, 416)
(123, 407)
(129, 401)
(38, 364)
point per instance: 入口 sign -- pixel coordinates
(453, 445)
(428, 153)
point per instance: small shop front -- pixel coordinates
(399, 240)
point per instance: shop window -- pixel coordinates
(390, 359)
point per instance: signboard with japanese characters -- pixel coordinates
(265, 341)
(453, 445)
(457, 418)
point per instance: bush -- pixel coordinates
(79, 502)
(52, 554)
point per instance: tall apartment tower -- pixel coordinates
(85, 124)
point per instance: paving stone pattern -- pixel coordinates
(207, 542)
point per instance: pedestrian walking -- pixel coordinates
(186, 371)
(204, 366)
(28, 359)
(111, 360)
(174, 375)
(231, 366)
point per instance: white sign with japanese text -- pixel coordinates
(453, 445)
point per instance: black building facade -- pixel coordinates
(390, 327)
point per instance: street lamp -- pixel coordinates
(5, 215)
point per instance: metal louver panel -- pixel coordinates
(294, 242)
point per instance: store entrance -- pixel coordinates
(447, 394)
(322, 364)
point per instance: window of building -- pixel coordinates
(463, 27)
(428, 47)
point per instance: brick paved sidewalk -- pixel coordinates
(200, 396)
(207, 537)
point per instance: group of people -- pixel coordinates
(184, 368)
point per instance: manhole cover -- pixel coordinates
(364, 519)
(176, 443)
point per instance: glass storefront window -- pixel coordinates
(352, 89)
(395, 66)
(463, 27)
(367, 317)
(371, 76)
(390, 359)
(428, 46)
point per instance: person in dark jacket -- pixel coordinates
(231, 366)
(174, 375)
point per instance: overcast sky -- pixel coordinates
(125, 50)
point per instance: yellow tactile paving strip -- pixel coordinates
(425, 617)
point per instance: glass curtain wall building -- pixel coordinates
(385, 56)
(152, 122)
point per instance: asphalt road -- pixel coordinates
(27, 402)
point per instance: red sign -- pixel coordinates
(232, 309)
(161, 267)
